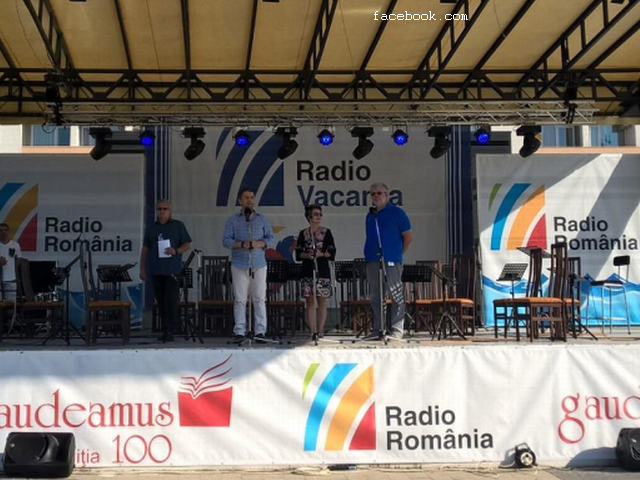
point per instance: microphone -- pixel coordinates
(247, 213)
(197, 251)
(373, 211)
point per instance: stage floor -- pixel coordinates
(143, 339)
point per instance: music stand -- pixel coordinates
(512, 272)
(61, 277)
(446, 320)
(185, 280)
(527, 251)
(114, 274)
(415, 274)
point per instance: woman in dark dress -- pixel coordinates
(315, 247)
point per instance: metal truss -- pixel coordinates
(349, 115)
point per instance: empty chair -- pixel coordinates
(215, 308)
(102, 315)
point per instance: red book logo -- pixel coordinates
(203, 402)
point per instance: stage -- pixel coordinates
(186, 404)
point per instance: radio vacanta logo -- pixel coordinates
(342, 411)
(18, 209)
(264, 167)
(205, 401)
(524, 205)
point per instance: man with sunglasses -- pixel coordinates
(387, 226)
(164, 243)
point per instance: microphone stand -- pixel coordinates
(382, 281)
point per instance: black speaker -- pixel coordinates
(628, 449)
(50, 455)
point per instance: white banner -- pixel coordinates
(204, 190)
(313, 406)
(590, 202)
(52, 203)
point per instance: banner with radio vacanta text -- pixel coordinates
(204, 191)
(55, 203)
(591, 202)
(307, 406)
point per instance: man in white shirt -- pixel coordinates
(9, 250)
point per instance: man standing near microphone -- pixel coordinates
(248, 234)
(388, 237)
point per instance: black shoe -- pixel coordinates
(259, 338)
(162, 338)
(238, 338)
(169, 338)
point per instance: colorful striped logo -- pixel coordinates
(342, 412)
(263, 167)
(529, 228)
(18, 209)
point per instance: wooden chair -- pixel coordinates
(102, 315)
(285, 309)
(428, 295)
(538, 310)
(215, 308)
(461, 301)
(31, 311)
(355, 306)
(504, 308)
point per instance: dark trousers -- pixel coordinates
(166, 289)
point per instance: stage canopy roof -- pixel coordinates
(321, 62)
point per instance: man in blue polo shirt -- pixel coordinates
(164, 243)
(248, 234)
(389, 226)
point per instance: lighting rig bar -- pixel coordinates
(496, 113)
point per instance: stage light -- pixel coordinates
(364, 144)
(442, 142)
(483, 134)
(147, 137)
(531, 141)
(524, 456)
(196, 146)
(103, 144)
(325, 137)
(400, 137)
(289, 146)
(241, 138)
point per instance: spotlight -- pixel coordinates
(364, 144)
(241, 138)
(103, 143)
(197, 146)
(400, 137)
(147, 137)
(531, 141)
(289, 146)
(325, 137)
(483, 134)
(524, 456)
(442, 142)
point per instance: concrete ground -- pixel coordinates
(460, 472)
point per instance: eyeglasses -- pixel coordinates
(317, 214)
(374, 194)
(162, 208)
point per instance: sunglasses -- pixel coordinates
(162, 208)
(375, 194)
